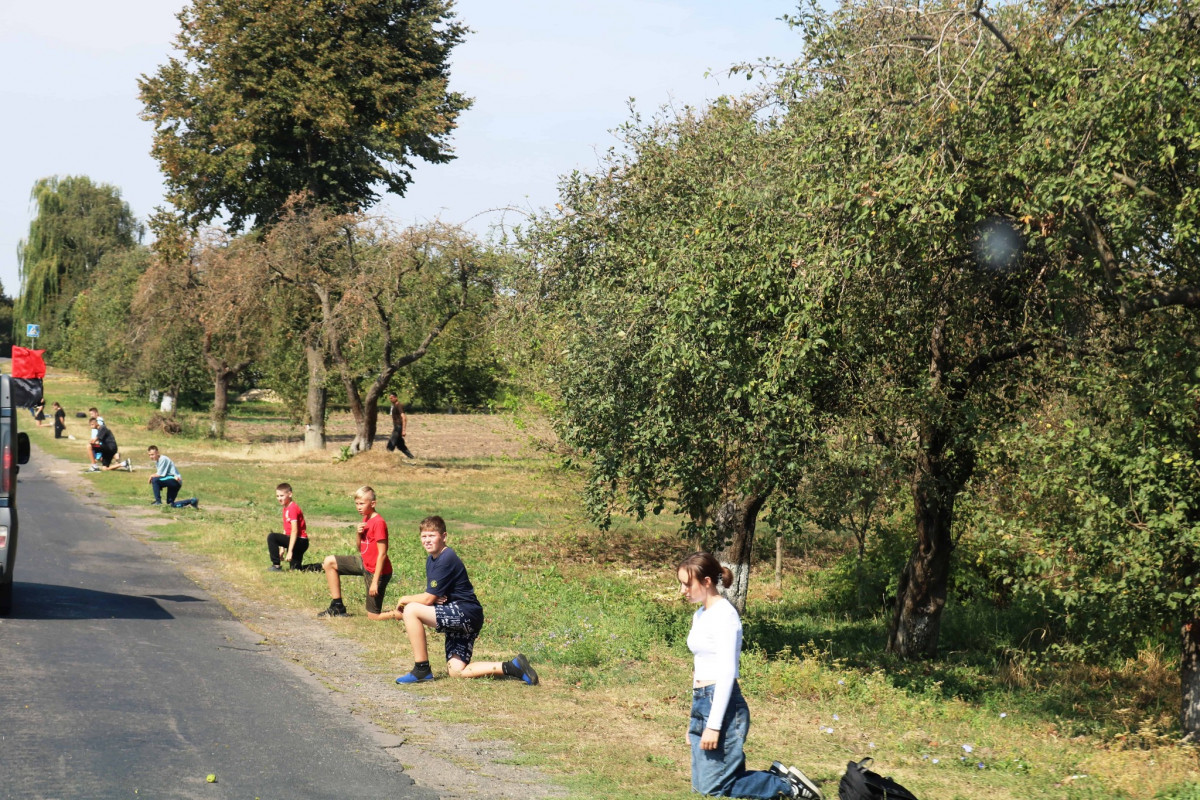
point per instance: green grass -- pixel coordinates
(599, 614)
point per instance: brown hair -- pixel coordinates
(283, 487)
(699, 566)
(433, 523)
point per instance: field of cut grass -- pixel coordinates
(599, 615)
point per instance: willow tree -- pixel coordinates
(268, 100)
(76, 223)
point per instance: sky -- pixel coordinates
(551, 80)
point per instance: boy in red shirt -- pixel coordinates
(371, 562)
(294, 539)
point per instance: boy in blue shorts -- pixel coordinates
(449, 606)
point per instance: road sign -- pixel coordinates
(33, 331)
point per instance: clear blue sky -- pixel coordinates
(550, 78)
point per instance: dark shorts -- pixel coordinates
(106, 456)
(353, 565)
(460, 625)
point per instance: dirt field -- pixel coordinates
(450, 436)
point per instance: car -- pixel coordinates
(14, 451)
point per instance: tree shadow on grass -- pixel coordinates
(983, 661)
(42, 601)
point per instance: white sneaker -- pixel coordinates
(805, 787)
(92, 468)
(128, 467)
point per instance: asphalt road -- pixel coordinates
(120, 678)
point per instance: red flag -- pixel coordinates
(27, 363)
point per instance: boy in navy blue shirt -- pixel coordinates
(449, 606)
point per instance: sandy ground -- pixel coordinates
(438, 436)
(455, 760)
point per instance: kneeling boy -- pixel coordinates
(294, 539)
(449, 606)
(371, 562)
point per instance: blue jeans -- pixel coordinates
(722, 772)
(170, 484)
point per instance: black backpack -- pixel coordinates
(860, 783)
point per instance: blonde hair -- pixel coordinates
(365, 492)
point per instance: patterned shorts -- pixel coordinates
(460, 627)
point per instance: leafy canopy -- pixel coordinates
(269, 99)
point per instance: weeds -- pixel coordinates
(599, 614)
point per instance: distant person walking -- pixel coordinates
(60, 420)
(720, 718)
(399, 427)
(294, 539)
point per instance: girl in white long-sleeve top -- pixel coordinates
(720, 718)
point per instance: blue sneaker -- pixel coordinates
(527, 672)
(412, 677)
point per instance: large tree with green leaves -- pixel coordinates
(270, 99)
(77, 222)
(662, 285)
(994, 186)
(369, 300)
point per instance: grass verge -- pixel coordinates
(598, 614)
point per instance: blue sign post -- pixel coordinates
(33, 331)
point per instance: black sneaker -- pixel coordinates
(527, 672)
(334, 610)
(274, 568)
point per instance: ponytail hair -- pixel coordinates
(699, 566)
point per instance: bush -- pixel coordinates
(164, 423)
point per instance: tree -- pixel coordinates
(77, 222)
(376, 299)
(218, 291)
(661, 289)
(993, 187)
(268, 100)
(100, 340)
(406, 289)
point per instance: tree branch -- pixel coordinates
(1137, 187)
(977, 13)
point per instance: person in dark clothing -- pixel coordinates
(450, 607)
(399, 427)
(104, 445)
(60, 421)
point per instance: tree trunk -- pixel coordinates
(733, 524)
(220, 407)
(1189, 680)
(314, 429)
(778, 561)
(366, 424)
(921, 595)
